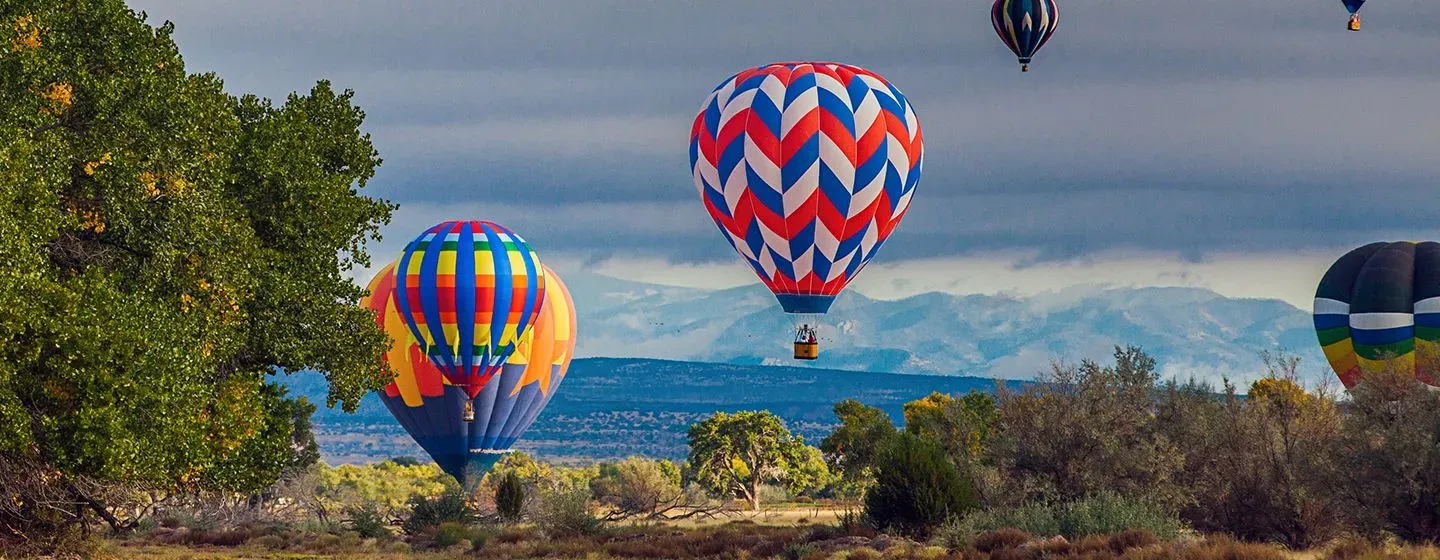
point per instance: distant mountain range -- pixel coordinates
(730, 350)
(1190, 331)
(616, 407)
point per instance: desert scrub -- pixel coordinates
(1103, 514)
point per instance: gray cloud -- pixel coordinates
(1181, 126)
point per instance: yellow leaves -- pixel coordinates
(160, 184)
(59, 97)
(1279, 392)
(27, 34)
(90, 167)
(92, 220)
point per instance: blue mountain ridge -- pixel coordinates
(655, 358)
(616, 407)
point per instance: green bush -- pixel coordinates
(917, 488)
(450, 533)
(510, 497)
(566, 513)
(1103, 514)
(367, 522)
(431, 512)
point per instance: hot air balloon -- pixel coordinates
(1354, 7)
(1379, 306)
(428, 406)
(1024, 26)
(806, 168)
(468, 291)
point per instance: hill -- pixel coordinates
(609, 407)
(1190, 331)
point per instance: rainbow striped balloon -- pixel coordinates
(1379, 307)
(468, 291)
(429, 407)
(806, 168)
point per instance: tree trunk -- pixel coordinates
(754, 493)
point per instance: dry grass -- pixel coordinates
(758, 540)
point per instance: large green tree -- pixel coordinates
(733, 454)
(851, 448)
(164, 247)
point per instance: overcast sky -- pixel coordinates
(1240, 145)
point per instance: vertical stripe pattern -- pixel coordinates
(806, 169)
(468, 291)
(429, 407)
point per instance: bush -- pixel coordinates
(426, 513)
(916, 488)
(1001, 539)
(450, 533)
(1104, 514)
(367, 522)
(510, 497)
(565, 513)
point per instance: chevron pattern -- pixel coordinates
(806, 168)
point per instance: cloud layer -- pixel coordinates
(1181, 130)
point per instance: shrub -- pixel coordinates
(450, 533)
(566, 513)
(431, 512)
(272, 542)
(398, 548)
(1001, 539)
(916, 488)
(367, 522)
(1103, 514)
(510, 497)
(1133, 538)
(798, 551)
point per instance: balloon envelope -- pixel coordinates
(428, 406)
(1353, 5)
(806, 168)
(468, 290)
(1378, 306)
(1025, 25)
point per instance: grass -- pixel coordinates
(777, 532)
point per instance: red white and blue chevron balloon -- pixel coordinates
(806, 167)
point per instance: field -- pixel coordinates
(791, 531)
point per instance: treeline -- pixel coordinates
(1088, 449)
(1280, 464)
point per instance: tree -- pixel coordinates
(961, 426)
(1389, 475)
(916, 488)
(850, 450)
(1087, 429)
(510, 497)
(166, 248)
(733, 454)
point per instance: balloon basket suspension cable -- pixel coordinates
(807, 336)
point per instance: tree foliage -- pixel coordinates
(917, 488)
(166, 247)
(961, 425)
(733, 454)
(510, 497)
(850, 449)
(1087, 429)
(1389, 458)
